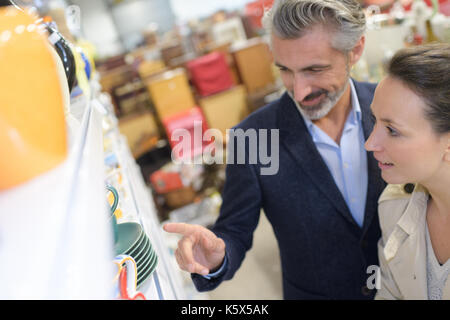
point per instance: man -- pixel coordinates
(322, 202)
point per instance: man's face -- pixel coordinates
(315, 74)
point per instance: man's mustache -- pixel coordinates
(314, 95)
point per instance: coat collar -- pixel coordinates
(295, 137)
(405, 249)
(412, 221)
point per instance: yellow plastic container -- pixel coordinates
(32, 125)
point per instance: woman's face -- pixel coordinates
(402, 140)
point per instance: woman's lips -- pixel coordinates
(385, 165)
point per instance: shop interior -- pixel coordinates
(83, 202)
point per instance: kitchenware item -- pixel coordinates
(113, 209)
(134, 242)
(124, 292)
(33, 134)
(64, 51)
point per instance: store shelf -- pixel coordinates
(138, 206)
(165, 282)
(55, 239)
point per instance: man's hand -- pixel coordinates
(199, 250)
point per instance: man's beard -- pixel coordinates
(321, 109)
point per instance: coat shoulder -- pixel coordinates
(365, 87)
(396, 192)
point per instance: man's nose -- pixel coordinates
(301, 88)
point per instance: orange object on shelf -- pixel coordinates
(32, 124)
(170, 92)
(254, 63)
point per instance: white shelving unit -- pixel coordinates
(56, 240)
(165, 282)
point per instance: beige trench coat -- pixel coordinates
(402, 247)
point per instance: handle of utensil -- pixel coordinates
(116, 198)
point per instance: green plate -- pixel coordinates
(144, 266)
(148, 268)
(143, 260)
(135, 248)
(128, 235)
(144, 249)
(141, 279)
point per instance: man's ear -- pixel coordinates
(357, 51)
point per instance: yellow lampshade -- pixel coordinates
(32, 124)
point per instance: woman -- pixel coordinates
(411, 141)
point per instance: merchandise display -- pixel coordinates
(73, 240)
(32, 145)
(254, 63)
(102, 151)
(171, 92)
(225, 109)
(210, 74)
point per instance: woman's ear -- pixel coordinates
(447, 150)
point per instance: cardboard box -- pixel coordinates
(225, 109)
(180, 197)
(254, 64)
(264, 96)
(171, 93)
(148, 68)
(140, 129)
(170, 51)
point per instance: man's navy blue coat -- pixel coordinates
(324, 253)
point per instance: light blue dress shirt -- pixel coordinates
(347, 162)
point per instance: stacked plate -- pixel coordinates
(133, 241)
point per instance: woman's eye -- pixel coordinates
(392, 132)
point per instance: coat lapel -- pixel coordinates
(294, 136)
(408, 260)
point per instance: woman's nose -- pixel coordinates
(372, 144)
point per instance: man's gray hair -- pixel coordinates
(291, 19)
